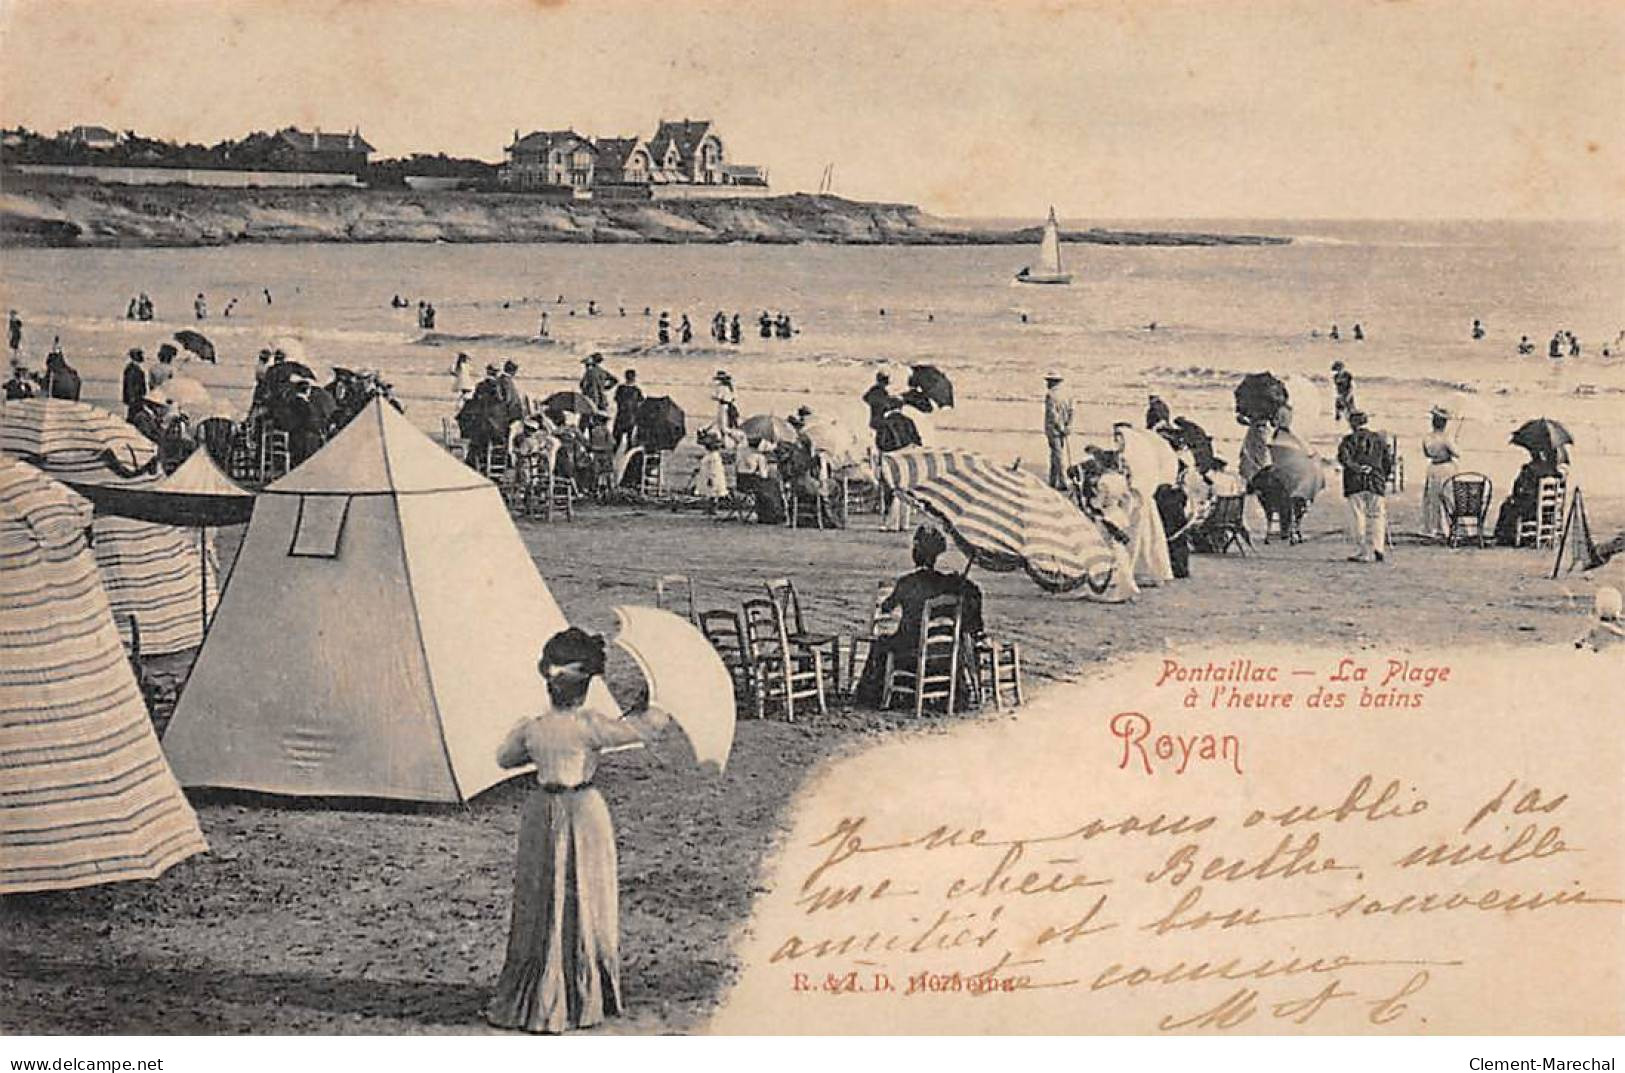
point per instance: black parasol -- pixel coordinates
(197, 343)
(1259, 397)
(933, 383)
(1542, 436)
(569, 402)
(661, 423)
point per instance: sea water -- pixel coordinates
(1218, 311)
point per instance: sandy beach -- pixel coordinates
(374, 919)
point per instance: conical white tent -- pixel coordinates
(378, 636)
(85, 795)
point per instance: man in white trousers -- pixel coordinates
(1367, 460)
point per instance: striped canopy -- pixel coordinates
(71, 432)
(1004, 519)
(149, 571)
(87, 796)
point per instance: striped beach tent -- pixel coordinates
(70, 432)
(1004, 519)
(150, 572)
(86, 796)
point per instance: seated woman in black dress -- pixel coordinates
(908, 596)
(1520, 506)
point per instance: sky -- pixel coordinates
(1107, 109)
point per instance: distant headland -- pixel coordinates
(50, 210)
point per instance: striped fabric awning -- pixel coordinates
(150, 572)
(86, 796)
(70, 431)
(1004, 519)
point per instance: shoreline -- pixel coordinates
(55, 212)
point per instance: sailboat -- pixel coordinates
(1049, 268)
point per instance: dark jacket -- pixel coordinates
(914, 588)
(135, 385)
(628, 397)
(61, 380)
(880, 402)
(1367, 460)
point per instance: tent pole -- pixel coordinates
(203, 586)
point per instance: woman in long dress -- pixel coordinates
(563, 968)
(463, 379)
(1440, 448)
(722, 393)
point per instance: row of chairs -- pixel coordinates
(776, 660)
(249, 458)
(1467, 499)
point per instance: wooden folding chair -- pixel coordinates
(782, 591)
(934, 674)
(722, 628)
(666, 587)
(783, 671)
(998, 667)
(1224, 527)
(276, 454)
(1542, 530)
(861, 647)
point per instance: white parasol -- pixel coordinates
(837, 440)
(687, 679)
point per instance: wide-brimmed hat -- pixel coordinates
(1439, 411)
(722, 377)
(1053, 377)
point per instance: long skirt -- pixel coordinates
(1434, 509)
(563, 966)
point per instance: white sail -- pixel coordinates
(1048, 269)
(1049, 250)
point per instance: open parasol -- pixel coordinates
(1003, 519)
(1542, 436)
(933, 383)
(760, 427)
(836, 440)
(1259, 397)
(661, 423)
(1298, 467)
(569, 402)
(687, 679)
(197, 343)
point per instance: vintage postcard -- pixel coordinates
(812, 518)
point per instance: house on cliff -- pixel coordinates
(89, 137)
(684, 158)
(316, 151)
(559, 160)
(622, 161)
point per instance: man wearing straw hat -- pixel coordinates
(1057, 427)
(1367, 460)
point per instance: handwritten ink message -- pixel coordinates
(1368, 871)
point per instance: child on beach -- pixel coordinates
(711, 478)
